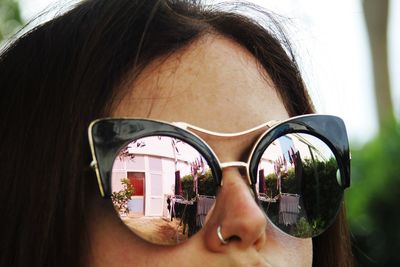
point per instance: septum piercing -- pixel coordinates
(223, 241)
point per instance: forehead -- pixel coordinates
(213, 83)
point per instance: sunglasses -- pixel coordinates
(163, 178)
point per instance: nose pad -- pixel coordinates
(242, 223)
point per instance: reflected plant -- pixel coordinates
(307, 185)
(318, 189)
(187, 187)
(120, 199)
(205, 185)
(305, 228)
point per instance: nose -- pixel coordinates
(241, 221)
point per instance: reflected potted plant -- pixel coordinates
(120, 198)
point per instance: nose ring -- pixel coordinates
(223, 241)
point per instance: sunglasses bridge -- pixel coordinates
(243, 167)
(240, 165)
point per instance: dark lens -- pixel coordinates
(162, 189)
(299, 184)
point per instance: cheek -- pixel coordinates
(283, 250)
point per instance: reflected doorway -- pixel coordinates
(136, 204)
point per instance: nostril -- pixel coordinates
(234, 238)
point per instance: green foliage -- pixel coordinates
(187, 187)
(120, 199)
(270, 182)
(321, 188)
(373, 200)
(305, 228)
(10, 18)
(206, 185)
(317, 186)
(288, 183)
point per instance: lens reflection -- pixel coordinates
(297, 184)
(162, 189)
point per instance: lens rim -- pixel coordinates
(110, 135)
(328, 219)
(329, 129)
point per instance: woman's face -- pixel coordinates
(217, 85)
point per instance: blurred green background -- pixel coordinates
(10, 18)
(372, 200)
(372, 204)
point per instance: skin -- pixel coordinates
(215, 84)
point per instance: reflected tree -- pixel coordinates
(206, 185)
(318, 190)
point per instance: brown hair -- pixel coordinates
(61, 75)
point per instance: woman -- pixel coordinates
(163, 60)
